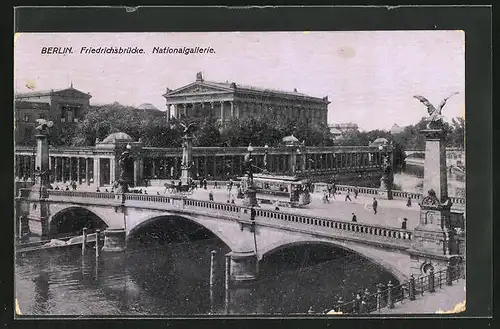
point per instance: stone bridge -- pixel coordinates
(249, 241)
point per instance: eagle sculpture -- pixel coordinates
(434, 113)
(43, 125)
(188, 128)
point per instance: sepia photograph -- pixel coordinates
(298, 173)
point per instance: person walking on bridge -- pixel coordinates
(403, 224)
(347, 196)
(354, 218)
(356, 192)
(408, 202)
(375, 205)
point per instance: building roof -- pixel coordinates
(115, 137)
(147, 106)
(32, 105)
(335, 131)
(232, 86)
(380, 141)
(51, 92)
(290, 140)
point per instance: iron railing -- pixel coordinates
(386, 296)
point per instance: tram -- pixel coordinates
(288, 190)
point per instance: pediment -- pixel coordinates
(197, 88)
(71, 93)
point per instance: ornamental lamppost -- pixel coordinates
(385, 189)
(250, 192)
(266, 150)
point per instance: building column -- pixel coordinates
(222, 111)
(232, 109)
(78, 170)
(97, 171)
(70, 169)
(87, 171)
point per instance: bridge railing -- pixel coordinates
(147, 198)
(211, 205)
(395, 193)
(361, 190)
(388, 295)
(339, 225)
(83, 194)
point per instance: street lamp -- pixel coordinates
(250, 192)
(266, 150)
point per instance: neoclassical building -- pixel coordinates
(228, 100)
(65, 107)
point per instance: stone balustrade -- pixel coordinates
(375, 231)
(83, 194)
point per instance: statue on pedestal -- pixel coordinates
(125, 162)
(435, 119)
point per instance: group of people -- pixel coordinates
(72, 184)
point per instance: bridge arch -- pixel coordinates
(77, 218)
(225, 237)
(363, 251)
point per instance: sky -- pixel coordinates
(370, 77)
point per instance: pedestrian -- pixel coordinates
(375, 205)
(157, 193)
(215, 184)
(403, 224)
(211, 196)
(276, 205)
(356, 192)
(325, 197)
(205, 183)
(347, 196)
(354, 218)
(232, 199)
(97, 189)
(67, 188)
(408, 202)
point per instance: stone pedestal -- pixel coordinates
(433, 243)
(250, 197)
(38, 217)
(114, 240)
(243, 266)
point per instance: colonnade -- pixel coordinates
(102, 170)
(223, 166)
(226, 109)
(66, 169)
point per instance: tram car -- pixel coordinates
(288, 190)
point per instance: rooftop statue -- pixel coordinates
(435, 118)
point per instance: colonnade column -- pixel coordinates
(87, 180)
(97, 171)
(232, 109)
(222, 111)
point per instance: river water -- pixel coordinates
(163, 274)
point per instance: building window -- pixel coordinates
(26, 118)
(63, 119)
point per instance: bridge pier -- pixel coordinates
(243, 266)
(114, 239)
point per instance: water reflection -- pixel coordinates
(411, 180)
(174, 280)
